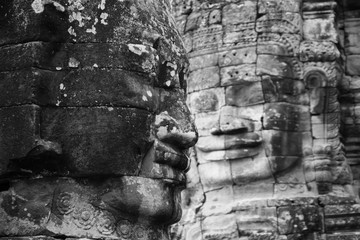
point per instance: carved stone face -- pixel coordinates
(253, 127)
(261, 98)
(104, 151)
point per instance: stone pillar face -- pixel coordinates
(94, 126)
(263, 89)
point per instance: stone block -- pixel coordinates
(209, 100)
(322, 74)
(57, 56)
(324, 100)
(203, 79)
(293, 174)
(240, 36)
(228, 154)
(239, 13)
(211, 143)
(244, 94)
(343, 236)
(315, 51)
(207, 40)
(95, 139)
(237, 56)
(285, 22)
(217, 227)
(276, 66)
(26, 209)
(352, 36)
(19, 87)
(284, 90)
(325, 131)
(214, 175)
(203, 61)
(207, 121)
(218, 202)
(248, 170)
(254, 191)
(286, 117)
(320, 28)
(338, 210)
(278, 44)
(291, 190)
(98, 87)
(25, 122)
(286, 164)
(30, 24)
(255, 220)
(353, 65)
(298, 219)
(252, 113)
(242, 140)
(282, 143)
(266, 6)
(292, 201)
(329, 118)
(238, 74)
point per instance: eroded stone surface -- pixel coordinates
(272, 154)
(94, 126)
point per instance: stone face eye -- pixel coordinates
(206, 101)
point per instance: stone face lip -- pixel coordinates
(236, 141)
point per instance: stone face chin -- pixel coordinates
(94, 126)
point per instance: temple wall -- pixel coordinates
(272, 87)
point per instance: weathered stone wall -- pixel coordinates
(93, 121)
(274, 158)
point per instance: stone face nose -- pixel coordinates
(171, 131)
(231, 122)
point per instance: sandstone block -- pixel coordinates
(282, 143)
(254, 191)
(283, 67)
(220, 227)
(255, 220)
(98, 87)
(239, 13)
(286, 117)
(244, 94)
(57, 56)
(237, 56)
(203, 61)
(218, 202)
(266, 6)
(249, 170)
(285, 22)
(320, 28)
(215, 174)
(203, 79)
(95, 139)
(284, 90)
(205, 122)
(209, 100)
(353, 64)
(238, 74)
(19, 87)
(25, 122)
(299, 219)
(278, 44)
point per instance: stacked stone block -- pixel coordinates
(263, 89)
